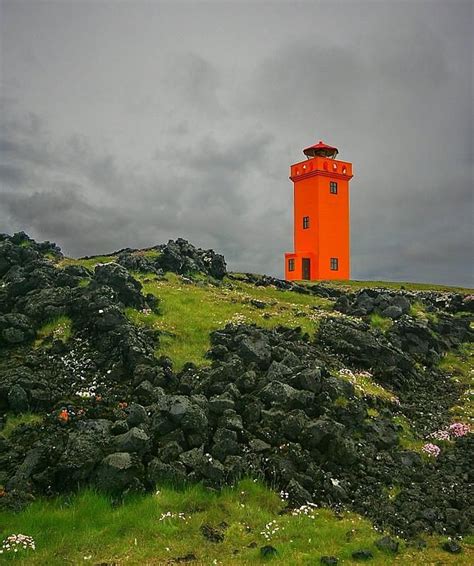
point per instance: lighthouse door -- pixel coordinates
(306, 268)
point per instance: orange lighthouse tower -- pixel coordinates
(321, 216)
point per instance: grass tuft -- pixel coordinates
(89, 262)
(407, 437)
(380, 322)
(58, 329)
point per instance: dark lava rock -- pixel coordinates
(160, 473)
(15, 328)
(211, 533)
(362, 555)
(452, 547)
(134, 440)
(255, 349)
(136, 414)
(387, 544)
(18, 399)
(271, 404)
(182, 257)
(393, 312)
(329, 560)
(268, 551)
(120, 472)
(128, 289)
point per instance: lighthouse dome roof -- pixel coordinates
(321, 149)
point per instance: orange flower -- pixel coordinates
(123, 405)
(64, 416)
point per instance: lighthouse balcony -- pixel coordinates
(321, 166)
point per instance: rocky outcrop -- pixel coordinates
(177, 256)
(272, 404)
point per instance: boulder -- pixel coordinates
(18, 399)
(134, 440)
(15, 329)
(387, 544)
(255, 350)
(116, 277)
(119, 472)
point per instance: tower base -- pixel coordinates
(308, 266)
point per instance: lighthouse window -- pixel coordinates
(305, 222)
(333, 187)
(291, 265)
(334, 264)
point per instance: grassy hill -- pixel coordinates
(201, 523)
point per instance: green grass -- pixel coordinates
(380, 322)
(86, 528)
(58, 329)
(190, 311)
(14, 421)
(365, 386)
(418, 310)
(407, 438)
(51, 256)
(89, 262)
(149, 254)
(460, 365)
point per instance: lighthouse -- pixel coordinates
(320, 216)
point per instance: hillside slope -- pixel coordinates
(156, 367)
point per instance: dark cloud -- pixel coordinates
(129, 124)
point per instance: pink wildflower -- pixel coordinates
(431, 449)
(459, 429)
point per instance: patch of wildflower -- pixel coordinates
(459, 429)
(455, 430)
(307, 510)
(146, 312)
(237, 318)
(60, 331)
(14, 543)
(270, 530)
(431, 449)
(171, 515)
(284, 495)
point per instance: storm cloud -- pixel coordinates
(126, 124)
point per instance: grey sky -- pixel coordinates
(129, 123)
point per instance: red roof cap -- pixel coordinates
(321, 148)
